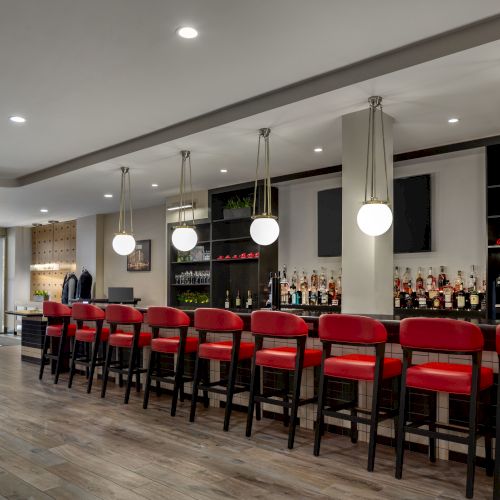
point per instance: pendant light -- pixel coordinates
(124, 241)
(375, 216)
(184, 237)
(264, 229)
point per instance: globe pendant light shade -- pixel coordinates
(184, 238)
(264, 230)
(374, 218)
(123, 243)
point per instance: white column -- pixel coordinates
(367, 261)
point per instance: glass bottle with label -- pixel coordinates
(313, 298)
(338, 290)
(249, 300)
(460, 299)
(237, 302)
(459, 282)
(331, 288)
(285, 288)
(323, 288)
(472, 283)
(419, 283)
(448, 296)
(227, 301)
(442, 281)
(396, 281)
(304, 289)
(436, 301)
(407, 281)
(430, 282)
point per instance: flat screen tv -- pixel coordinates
(412, 217)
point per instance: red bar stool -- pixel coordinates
(171, 318)
(362, 332)
(280, 325)
(445, 336)
(232, 351)
(90, 338)
(134, 342)
(58, 326)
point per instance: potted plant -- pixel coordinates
(238, 208)
(193, 299)
(40, 295)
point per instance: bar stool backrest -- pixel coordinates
(55, 310)
(440, 334)
(167, 317)
(123, 315)
(278, 324)
(350, 329)
(209, 319)
(87, 312)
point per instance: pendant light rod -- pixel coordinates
(375, 103)
(267, 206)
(125, 191)
(185, 171)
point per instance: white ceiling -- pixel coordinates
(107, 84)
(89, 74)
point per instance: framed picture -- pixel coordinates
(140, 258)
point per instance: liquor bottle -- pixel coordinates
(406, 281)
(419, 282)
(331, 288)
(472, 284)
(430, 282)
(460, 299)
(313, 299)
(436, 302)
(227, 301)
(304, 289)
(285, 288)
(397, 281)
(397, 300)
(474, 301)
(459, 282)
(249, 300)
(237, 302)
(293, 288)
(323, 290)
(338, 290)
(269, 301)
(442, 281)
(448, 296)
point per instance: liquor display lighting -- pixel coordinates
(375, 216)
(264, 229)
(124, 241)
(184, 237)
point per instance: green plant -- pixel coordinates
(41, 293)
(237, 202)
(189, 297)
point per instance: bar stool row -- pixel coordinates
(421, 335)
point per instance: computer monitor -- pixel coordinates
(120, 295)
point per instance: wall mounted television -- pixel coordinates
(412, 217)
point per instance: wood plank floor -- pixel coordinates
(65, 444)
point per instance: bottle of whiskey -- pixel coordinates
(419, 282)
(313, 298)
(237, 302)
(459, 282)
(331, 288)
(304, 289)
(407, 281)
(293, 288)
(396, 281)
(460, 299)
(397, 300)
(249, 300)
(430, 282)
(338, 290)
(472, 284)
(442, 281)
(323, 289)
(448, 296)
(227, 301)
(285, 288)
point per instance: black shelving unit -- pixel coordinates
(493, 228)
(224, 237)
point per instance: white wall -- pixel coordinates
(458, 208)
(149, 223)
(459, 236)
(298, 208)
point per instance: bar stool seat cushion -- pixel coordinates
(171, 344)
(127, 339)
(284, 357)
(446, 377)
(221, 351)
(360, 367)
(88, 334)
(56, 330)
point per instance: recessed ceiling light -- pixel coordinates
(223, 170)
(43, 210)
(108, 195)
(453, 120)
(187, 32)
(17, 119)
(154, 185)
(318, 150)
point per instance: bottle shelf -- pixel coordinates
(187, 263)
(227, 261)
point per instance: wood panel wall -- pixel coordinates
(52, 243)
